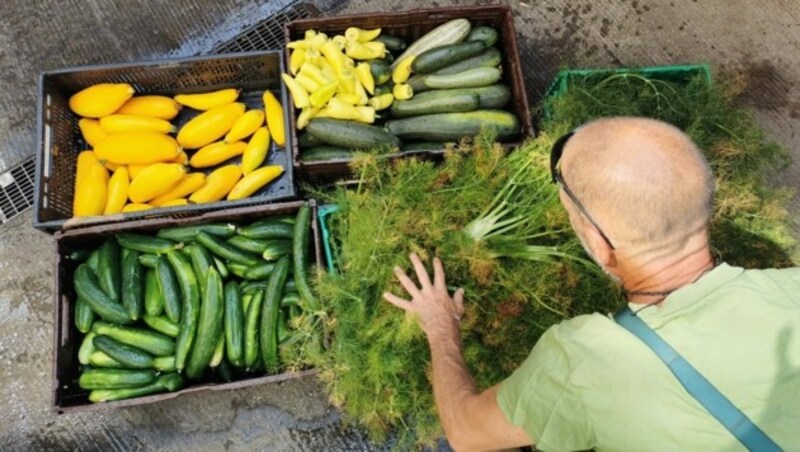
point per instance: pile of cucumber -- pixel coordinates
(157, 310)
(457, 91)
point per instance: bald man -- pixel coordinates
(639, 196)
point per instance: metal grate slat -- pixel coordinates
(16, 190)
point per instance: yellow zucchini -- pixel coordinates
(275, 121)
(91, 186)
(117, 194)
(135, 207)
(91, 131)
(100, 100)
(188, 185)
(137, 148)
(218, 184)
(254, 181)
(131, 123)
(207, 101)
(256, 151)
(161, 107)
(209, 126)
(155, 180)
(216, 153)
(245, 125)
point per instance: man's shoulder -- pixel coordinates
(584, 336)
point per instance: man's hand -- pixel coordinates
(438, 312)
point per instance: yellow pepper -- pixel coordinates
(360, 35)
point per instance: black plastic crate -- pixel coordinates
(60, 140)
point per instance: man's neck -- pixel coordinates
(648, 280)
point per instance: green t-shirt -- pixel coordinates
(589, 383)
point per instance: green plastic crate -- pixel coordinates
(323, 215)
(667, 73)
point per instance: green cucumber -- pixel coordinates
(148, 260)
(86, 349)
(202, 261)
(454, 126)
(109, 272)
(209, 326)
(188, 233)
(84, 316)
(115, 378)
(94, 261)
(169, 289)
(277, 249)
(127, 355)
(259, 271)
(306, 140)
(220, 266)
(251, 348)
(225, 372)
(381, 72)
(268, 230)
(88, 288)
(319, 153)
(154, 343)
(162, 325)
(237, 269)
(132, 284)
(167, 382)
(224, 250)
(490, 97)
(283, 332)
(153, 296)
(392, 43)
(219, 353)
(145, 243)
(190, 292)
(268, 330)
(246, 298)
(253, 287)
(422, 146)
(470, 78)
(100, 359)
(487, 35)
(450, 32)
(490, 57)
(300, 242)
(249, 244)
(439, 57)
(290, 299)
(164, 364)
(439, 101)
(234, 324)
(351, 134)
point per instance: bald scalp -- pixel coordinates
(644, 181)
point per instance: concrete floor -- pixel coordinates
(759, 40)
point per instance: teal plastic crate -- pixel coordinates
(682, 73)
(324, 214)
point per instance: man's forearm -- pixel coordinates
(452, 384)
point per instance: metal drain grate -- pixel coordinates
(267, 34)
(16, 190)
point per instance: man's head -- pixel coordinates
(643, 183)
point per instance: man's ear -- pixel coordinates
(600, 248)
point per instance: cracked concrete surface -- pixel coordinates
(759, 40)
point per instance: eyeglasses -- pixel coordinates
(555, 171)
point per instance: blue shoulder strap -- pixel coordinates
(695, 384)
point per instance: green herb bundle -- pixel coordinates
(496, 222)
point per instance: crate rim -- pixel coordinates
(156, 62)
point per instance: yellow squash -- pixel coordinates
(175, 202)
(135, 207)
(188, 185)
(117, 191)
(161, 107)
(91, 131)
(254, 181)
(216, 153)
(256, 151)
(100, 100)
(245, 125)
(134, 170)
(275, 122)
(182, 158)
(131, 123)
(137, 148)
(207, 101)
(91, 186)
(155, 180)
(112, 166)
(209, 126)
(218, 184)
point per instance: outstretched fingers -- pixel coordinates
(407, 283)
(458, 298)
(422, 272)
(438, 275)
(399, 302)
